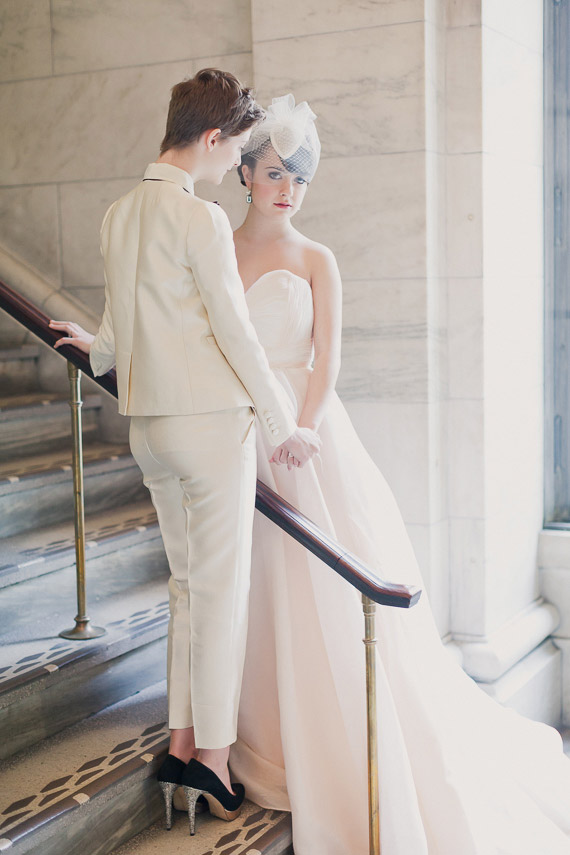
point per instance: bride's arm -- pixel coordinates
(327, 302)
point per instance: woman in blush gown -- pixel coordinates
(459, 774)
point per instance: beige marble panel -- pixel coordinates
(465, 338)
(521, 22)
(465, 341)
(381, 366)
(467, 561)
(435, 86)
(436, 215)
(13, 334)
(513, 218)
(29, 226)
(514, 491)
(512, 94)
(97, 34)
(94, 298)
(25, 39)
(273, 19)
(106, 124)
(464, 96)
(371, 212)
(512, 543)
(513, 456)
(466, 442)
(463, 13)
(431, 546)
(514, 341)
(464, 215)
(366, 86)
(83, 206)
(396, 435)
(384, 353)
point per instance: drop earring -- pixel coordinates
(248, 196)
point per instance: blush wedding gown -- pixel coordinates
(459, 774)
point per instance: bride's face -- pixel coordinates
(275, 192)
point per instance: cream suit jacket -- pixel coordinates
(176, 322)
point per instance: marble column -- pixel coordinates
(495, 350)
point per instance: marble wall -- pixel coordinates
(495, 268)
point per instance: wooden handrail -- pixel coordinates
(269, 503)
(38, 323)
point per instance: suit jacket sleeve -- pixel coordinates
(102, 353)
(213, 261)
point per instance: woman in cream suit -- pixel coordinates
(190, 372)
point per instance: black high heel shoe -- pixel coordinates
(199, 780)
(169, 777)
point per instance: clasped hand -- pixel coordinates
(298, 449)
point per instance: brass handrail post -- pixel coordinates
(369, 610)
(82, 629)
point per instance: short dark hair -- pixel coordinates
(210, 99)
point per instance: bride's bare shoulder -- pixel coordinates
(319, 260)
(317, 254)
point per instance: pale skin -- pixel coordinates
(268, 241)
(209, 159)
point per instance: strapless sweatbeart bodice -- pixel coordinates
(281, 309)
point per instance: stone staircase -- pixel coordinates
(83, 724)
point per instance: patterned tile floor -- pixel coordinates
(247, 835)
(40, 545)
(81, 784)
(17, 468)
(120, 582)
(64, 652)
(31, 399)
(73, 766)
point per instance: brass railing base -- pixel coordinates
(369, 610)
(83, 630)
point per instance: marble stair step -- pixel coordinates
(41, 551)
(92, 788)
(256, 832)
(47, 682)
(40, 421)
(37, 490)
(19, 368)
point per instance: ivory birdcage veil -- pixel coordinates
(290, 132)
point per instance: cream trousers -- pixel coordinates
(201, 473)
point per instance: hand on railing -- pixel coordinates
(76, 335)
